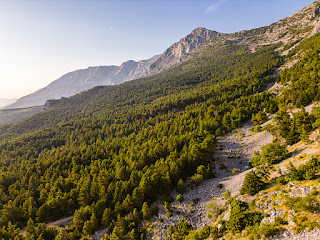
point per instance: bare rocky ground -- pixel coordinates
(304, 235)
(242, 143)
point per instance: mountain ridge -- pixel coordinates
(83, 79)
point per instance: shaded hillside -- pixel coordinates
(15, 115)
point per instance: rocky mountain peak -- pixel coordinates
(189, 43)
(178, 52)
(202, 32)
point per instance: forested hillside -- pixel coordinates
(109, 152)
(105, 156)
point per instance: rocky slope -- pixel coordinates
(242, 142)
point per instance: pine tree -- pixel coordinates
(145, 211)
(30, 229)
(252, 184)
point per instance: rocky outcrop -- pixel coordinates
(49, 104)
(178, 52)
(316, 12)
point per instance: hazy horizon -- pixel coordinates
(42, 40)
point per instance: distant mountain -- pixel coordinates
(81, 80)
(6, 101)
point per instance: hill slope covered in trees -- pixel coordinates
(107, 151)
(107, 154)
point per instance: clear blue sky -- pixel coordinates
(40, 40)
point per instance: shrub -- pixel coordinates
(196, 179)
(181, 229)
(271, 153)
(180, 198)
(167, 199)
(281, 180)
(181, 187)
(220, 185)
(294, 173)
(256, 129)
(168, 214)
(235, 170)
(303, 172)
(167, 206)
(214, 209)
(308, 170)
(154, 210)
(145, 211)
(226, 195)
(307, 204)
(194, 201)
(201, 234)
(264, 231)
(239, 218)
(252, 184)
(222, 166)
(205, 172)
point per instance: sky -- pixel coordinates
(40, 40)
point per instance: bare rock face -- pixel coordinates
(180, 50)
(142, 69)
(316, 12)
(49, 104)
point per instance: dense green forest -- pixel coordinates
(303, 77)
(107, 154)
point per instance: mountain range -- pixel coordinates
(75, 82)
(84, 79)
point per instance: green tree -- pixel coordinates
(180, 198)
(145, 211)
(252, 184)
(91, 225)
(30, 229)
(259, 118)
(181, 187)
